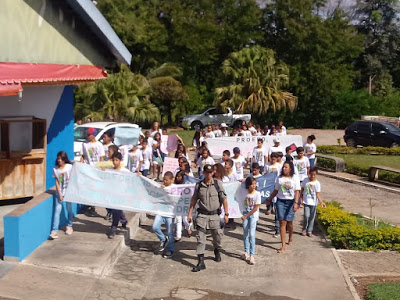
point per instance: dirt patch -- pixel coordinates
(362, 285)
(323, 136)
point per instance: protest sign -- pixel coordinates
(91, 186)
(266, 185)
(170, 164)
(169, 143)
(247, 143)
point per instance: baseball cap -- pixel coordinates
(91, 130)
(277, 140)
(223, 125)
(208, 168)
(236, 150)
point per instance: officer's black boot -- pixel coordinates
(217, 255)
(200, 265)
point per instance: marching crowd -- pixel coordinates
(296, 183)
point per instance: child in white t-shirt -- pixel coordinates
(310, 191)
(250, 217)
(230, 173)
(92, 150)
(62, 174)
(210, 133)
(205, 159)
(135, 159)
(302, 164)
(107, 142)
(239, 162)
(255, 170)
(276, 148)
(310, 149)
(260, 154)
(147, 154)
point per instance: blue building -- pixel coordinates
(47, 47)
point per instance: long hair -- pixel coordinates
(291, 168)
(64, 157)
(220, 171)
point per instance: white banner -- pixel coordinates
(247, 143)
(127, 191)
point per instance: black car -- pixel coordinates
(372, 133)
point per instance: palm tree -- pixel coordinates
(124, 95)
(254, 82)
(166, 89)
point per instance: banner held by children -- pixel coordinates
(247, 143)
(91, 186)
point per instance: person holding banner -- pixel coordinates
(287, 190)
(180, 179)
(209, 194)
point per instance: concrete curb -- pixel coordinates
(339, 263)
(356, 181)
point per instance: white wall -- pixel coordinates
(40, 102)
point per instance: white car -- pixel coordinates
(123, 134)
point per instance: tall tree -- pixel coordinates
(320, 51)
(254, 82)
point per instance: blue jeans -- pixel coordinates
(249, 234)
(117, 216)
(57, 212)
(311, 160)
(309, 217)
(145, 172)
(169, 224)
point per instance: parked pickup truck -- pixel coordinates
(213, 116)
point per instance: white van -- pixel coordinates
(122, 133)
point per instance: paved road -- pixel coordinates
(356, 198)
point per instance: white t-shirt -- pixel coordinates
(63, 176)
(239, 163)
(280, 133)
(252, 129)
(251, 200)
(275, 168)
(224, 134)
(259, 155)
(310, 148)
(92, 152)
(231, 177)
(152, 133)
(147, 157)
(150, 141)
(210, 135)
(120, 170)
(246, 132)
(301, 165)
(134, 159)
(311, 188)
(217, 133)
(287, 186)
(124, 150)
(202, 162)
(106, 158)
(274, 149)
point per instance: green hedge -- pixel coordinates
(365, 150)
(345, 232)
(362, 171)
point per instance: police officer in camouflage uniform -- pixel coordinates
(210, 195)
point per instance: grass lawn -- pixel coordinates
(384, 291)
(367, 161)
(186, 136)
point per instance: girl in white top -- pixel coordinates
(205, 159)
(310, 191)
(62, 174)
(287, 189)
(246, 131)
(310, 149)
(135, 160)
(220, 173)
(155, 128)
(224, 131)
(275, 148)
(147, 154)
(179, 179)
(217, 131)
(210, 133)
(250, 217)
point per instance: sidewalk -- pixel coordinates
(74, 267)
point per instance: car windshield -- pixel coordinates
(392, 127)
(80, 133)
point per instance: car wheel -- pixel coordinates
(351, 143)
(197, 125)
(394, 145)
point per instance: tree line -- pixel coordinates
(311, 63)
